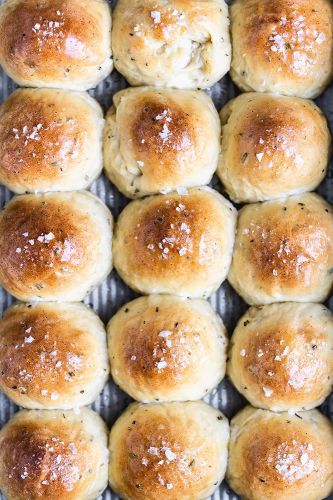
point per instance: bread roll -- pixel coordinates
(272, 146)
(282, 46)
(168, 451)
(281, 456)
(53, 454)
(281, 356)
(182, 44)
(56, 43)
(167, 348)
(176, 244)
(54, 247)
(287, 248)
(52, 355)
(158, 140)
(50, 140)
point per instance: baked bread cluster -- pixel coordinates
(175, 242)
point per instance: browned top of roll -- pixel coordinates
(50, 354)
(291, 39)
(50, 38)
(170, 239)
(171, 450)
(50, 454)
(44, 133)
(49, 241)
(280, 456)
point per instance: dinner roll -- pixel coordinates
(272, 146)
(281, 356)
(286, 247)
(282, 46)
(167, 348)
(56, 43)
(52, 355)
(158, 140)
(54, 454)
(177, 244)
(178, 43)
(168, 451)
(50, 140)
(280, 456)
(55, 246)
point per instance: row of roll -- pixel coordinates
(284, 48)
(182, 241)
(165, 348)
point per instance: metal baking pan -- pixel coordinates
(113, 293)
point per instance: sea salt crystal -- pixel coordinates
(156, 16)
(170, 455)
(165, 333)
(268, 392)
(259, 156)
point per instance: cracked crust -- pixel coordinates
(183, 45)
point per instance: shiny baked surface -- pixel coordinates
(167, 348)
(61, 455)
(170, 450)
(280, 456)
(281, 356)
(52, 355)
(175, 243)
(56, 43)
(282, 46)
(158, 140)
(55, 246)
(50, 140)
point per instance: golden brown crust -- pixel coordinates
(48, 242)
(281, 356)
(282, 46)
(52, 355)
(167, 348)
(155, 140)
(272, 146)
(175, 244)
(56, 42)
(58, 455)
(173, 450)
(287, 245)
(281, 456)
(50, 140)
